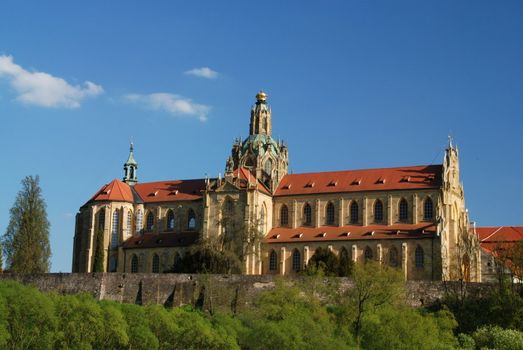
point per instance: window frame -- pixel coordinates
(378, 218)
(307, 215)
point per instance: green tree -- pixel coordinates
(140, 335)
(99, 256)
(26, 240)
(375, 286)
(30, 317)
(324, 259)
(494, 337)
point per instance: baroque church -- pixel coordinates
(410, 217)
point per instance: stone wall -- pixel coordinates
(226, 292)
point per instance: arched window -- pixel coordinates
(134, 263)
(129, 226)
(191, 220)
(268, 166)
(307, 214)
(420, 257)
(149, 223)
(403, 210)
(115, 229)
(354, 212)
(428, 209)
(101, 219)
(378, 211)
(249, 163)
(156, 263)
(112, 263)
(329, 214)
(284, 215)
(296, 260)
(345, 263)
(170, 220)
(262, 218)
(368, 254)
(393, 257)
(273, 261)
(139, 222)
(228, 207)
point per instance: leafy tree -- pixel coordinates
(325, 260)
(375, 286)
(99, 256)
(205, 257)
(114, 334)
(140, 335)
(29, 316)
(81, 321)
(494, 337)
(284, 318)
(405, 328)
(26, 240)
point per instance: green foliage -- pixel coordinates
(406, 328)
(284, 318)
(206, 258)
(495, 337)
(29, 317)
(99, 256)
(26, 240)
(375, 286)
(140, 334)
(329, 263)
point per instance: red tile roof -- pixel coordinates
(171, 239)
(116, 190)
(500, 234)
(168, 191)
(384, 179)
(246, 178)
(348, 233)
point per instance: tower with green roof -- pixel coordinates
(130, 168)
(259, 152)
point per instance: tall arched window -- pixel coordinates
(378, 211)
(191, 220)
(307, 214)
(156, 263)
(112, 263)
(139, 222)
(419, 257)
(393, 257)
(115, 228)
(149, 221)
(170, 220)
(129, 226)
(284, 215)
(273, 261)
(263, 216)
(268, 166)
(428, 209)
(329, 214)
(403, 210)
(134, 263)
(101, 219)
(368, 254)
(354, 212)
(296, 260)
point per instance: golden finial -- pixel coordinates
(261, 96)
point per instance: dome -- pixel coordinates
(260, 144)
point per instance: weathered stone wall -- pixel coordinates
(226, 292)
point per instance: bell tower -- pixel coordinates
(259, 152)
(130, 168)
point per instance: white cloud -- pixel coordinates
(204, 72)
(171, 103)
(43, 89)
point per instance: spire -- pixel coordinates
(130, 168)
(261, 122)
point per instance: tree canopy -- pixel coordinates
(26, 240)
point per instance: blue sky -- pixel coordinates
(352, 84)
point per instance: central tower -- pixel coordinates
(260, 153)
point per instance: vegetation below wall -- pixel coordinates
(311, 315)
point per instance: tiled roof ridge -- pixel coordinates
(369, 169)
(163, 181)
